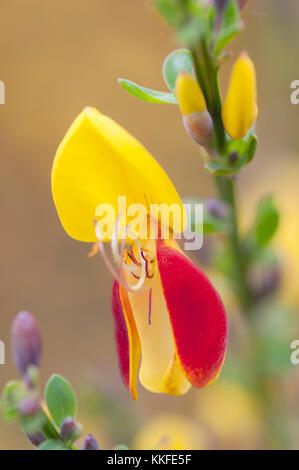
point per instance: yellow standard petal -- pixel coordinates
(189, 95)
(97, 162)
(240, 107)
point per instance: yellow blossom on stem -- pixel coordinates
(197, 120)
(170, 324)
(189, 94)
(240, 109)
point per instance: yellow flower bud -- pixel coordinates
(240, 108)
(189, 94)
(197, 120)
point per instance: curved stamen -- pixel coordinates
(150, 276)
(132, 257)
(118, 275)
(114, 242)
(118, 258)
(150, 307)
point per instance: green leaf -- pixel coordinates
(60, 399)
(121, 447)
(222, 261)
(52, 444)
(13, 393)
(176, 62)
(274, 326)
(212, 222)
(193, 30)
(33, 423)
(146, 94)
(171, 11)
(230, 26)
(267, 220)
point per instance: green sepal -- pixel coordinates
(230, 26)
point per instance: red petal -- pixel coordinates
(127, 340)
(196, 313)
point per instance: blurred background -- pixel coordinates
(57, 57)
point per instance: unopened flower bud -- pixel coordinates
(70, 430)
(29, 406)
(36, 439)
(220, 4)
(26, 342)
(197, 120)
(189, 95)
(216, 208)
(90, 443)
(265, 281)
(240, 110)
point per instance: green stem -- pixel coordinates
(227, 192)
(207, 76)
(206, 71)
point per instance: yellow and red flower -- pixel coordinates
(170, 322)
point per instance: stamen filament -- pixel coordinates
(118, 275)
(150, 307)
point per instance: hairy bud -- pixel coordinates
(36, 439)
(217, 208)
(220, 4)
(90, 443)
(26, 342)
(70, 430)
(29, 406)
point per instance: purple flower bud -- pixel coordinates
(36, 439)
(29, 406)
(90, 443)
(26, 342)
(265, 281)
(217, 208)
(220, 4)
(70, 430)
